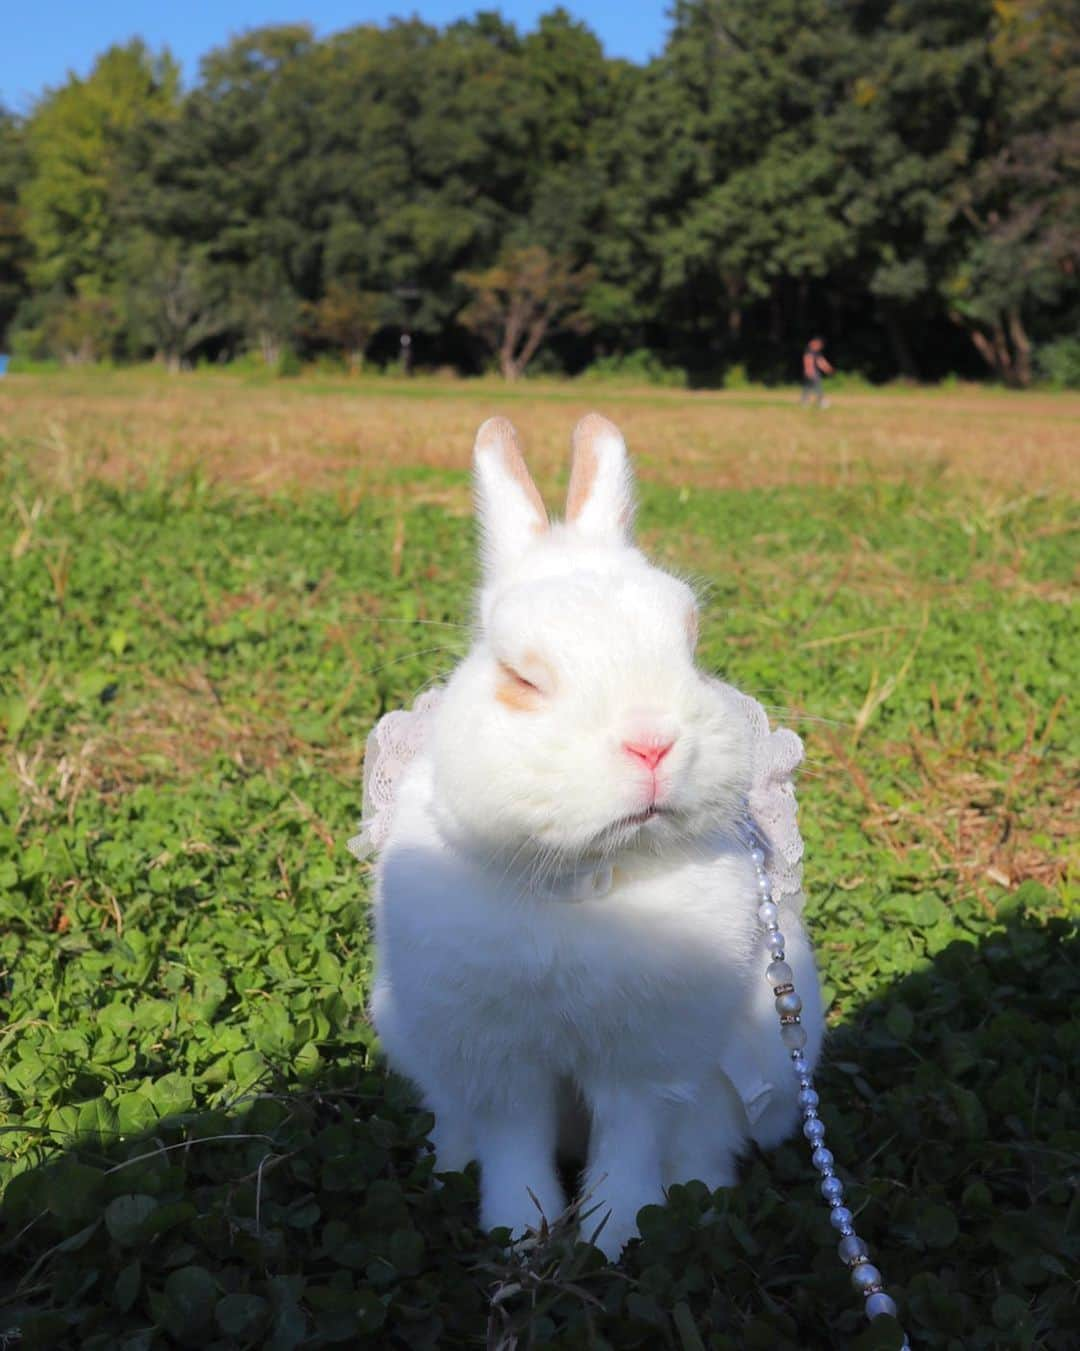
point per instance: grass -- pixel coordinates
(211, 588)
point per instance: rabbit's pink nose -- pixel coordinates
(649, 753)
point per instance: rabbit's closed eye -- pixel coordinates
(523, 686)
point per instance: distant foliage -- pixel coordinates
(902, 178)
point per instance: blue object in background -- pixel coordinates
(3, 364)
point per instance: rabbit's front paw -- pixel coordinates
(519, 1187)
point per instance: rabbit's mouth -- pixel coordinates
(621, 832)
(640, 818)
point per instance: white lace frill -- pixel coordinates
(391, 745)
(773, 810)
(397, 737)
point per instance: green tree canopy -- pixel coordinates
(14, 245)
(902, 177)
(75, 140)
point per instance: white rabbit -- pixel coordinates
(566, 907)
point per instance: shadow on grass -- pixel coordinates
(309, 1218)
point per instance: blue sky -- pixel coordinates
(41, 40)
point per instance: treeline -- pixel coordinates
(901, 176)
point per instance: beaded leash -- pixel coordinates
(865, 1277)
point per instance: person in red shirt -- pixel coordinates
(814, 366)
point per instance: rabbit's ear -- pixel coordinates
(600, 501)
(511, 510)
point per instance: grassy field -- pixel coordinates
(212, 586)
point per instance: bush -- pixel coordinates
(735, 377)
(638, 367)
(1058, 363)
(29, 348)
(288, 364)
(853, 381)
(30, 365)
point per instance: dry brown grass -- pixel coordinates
(135, 426)
(986, 811)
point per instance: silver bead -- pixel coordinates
(814, 1130)
(840, 1216)
(779, 973)
(878, 1303)
(832, 1189)
(788, 1003)
(768, 913)
(852, 1249)
(758, 858)
(793, 1035)
(808, 1098)
(805, 1081)
(865, 1275)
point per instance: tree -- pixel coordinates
(522, 300)
(75, 138)
(173, 300)
(1019, 203)
(346, 318)
(83, 327)
(14, 245)
(723, 197)
(267, 309)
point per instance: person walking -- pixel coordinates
(814, 367)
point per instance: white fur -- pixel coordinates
(510, 1001)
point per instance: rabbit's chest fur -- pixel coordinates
(644, 980)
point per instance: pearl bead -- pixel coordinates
(852, 1249)
(788, 1003)
(768, 913)
(775, 943)
(822, 1158)
(865, 1275)
(840, 1216)
(832, 1189)
(809, 1098)
(880, 1303)
(758, 857)
(779, 973)
(799, 1064)
(814, 1130)
(793, 1035)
